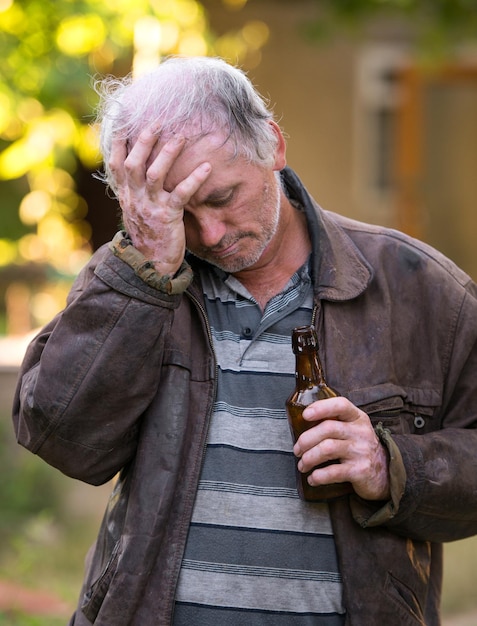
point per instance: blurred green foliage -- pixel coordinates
(438, 25)
(16, 618)
(42, 543)
(27, 488)
(51, 52)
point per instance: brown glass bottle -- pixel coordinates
(310, 386)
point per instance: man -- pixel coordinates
(171, 369)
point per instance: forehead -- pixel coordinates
(213, 148)
(214, 145)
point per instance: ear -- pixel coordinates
(281, 148)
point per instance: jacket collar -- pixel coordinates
(339, 270)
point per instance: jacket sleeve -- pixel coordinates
(434, 475)
(89, 375)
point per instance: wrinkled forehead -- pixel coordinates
(197, 145)
(193, 131)
(209, 148)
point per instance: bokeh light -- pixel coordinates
(51, 54)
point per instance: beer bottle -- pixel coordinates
(310, 386)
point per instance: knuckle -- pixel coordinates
(177, 199)
(169, 149)
(343, 403)
(145, 136)
(185, 188)
(113, 164)
(129, 165)
(152, 178)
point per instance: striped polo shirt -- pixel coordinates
(256, 554)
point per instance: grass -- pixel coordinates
(44, 532)
(460, 572)
(20, 619)
(48, 554)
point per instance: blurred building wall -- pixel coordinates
(367, 142)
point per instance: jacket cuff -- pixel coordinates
(122, 247)
(365, 512)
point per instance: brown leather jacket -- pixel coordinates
(126, 383)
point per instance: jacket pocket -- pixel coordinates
(94, 596)
(402, 410)
(405, 603)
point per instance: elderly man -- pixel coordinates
(171, 364)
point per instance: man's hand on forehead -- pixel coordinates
(153, 210)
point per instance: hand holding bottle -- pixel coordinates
(338, 450)
(341, 431)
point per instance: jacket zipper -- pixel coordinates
(203, 312)
(314, 313)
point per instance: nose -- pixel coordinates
(209, 229)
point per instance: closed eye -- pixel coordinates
(218, 201)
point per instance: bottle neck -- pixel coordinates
(309, 370)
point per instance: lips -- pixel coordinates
(225, 252)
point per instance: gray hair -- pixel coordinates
(194, 96)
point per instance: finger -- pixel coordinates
(184, 191)
(338, 408)
(330, 474)
(325, 429)
(140, 155)
(160, 164)
(116, 159)
(323, 452)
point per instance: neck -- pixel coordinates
(286, 253)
